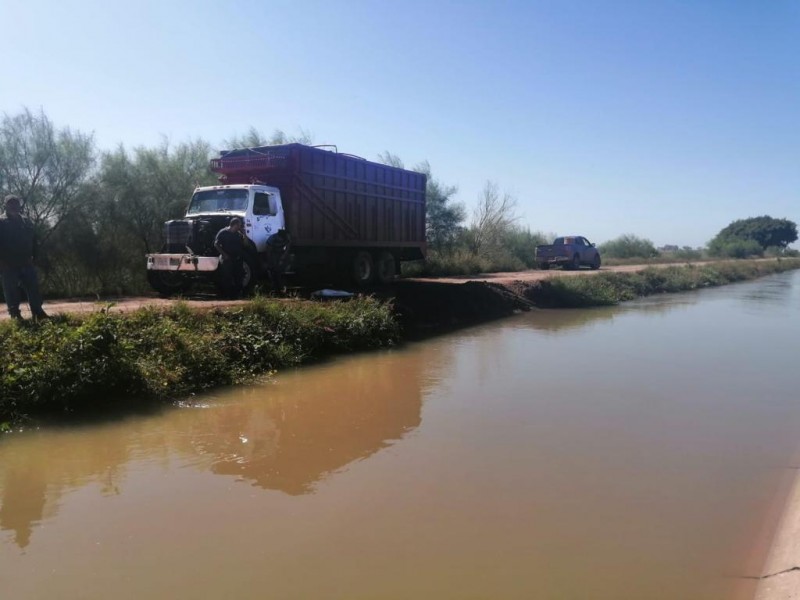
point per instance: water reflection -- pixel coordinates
(37, 468)
(775, 293)
(287, 435)
(23, 504)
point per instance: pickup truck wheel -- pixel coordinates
(385, 267)
(576, 262)
(168, 283)
(596, 262)
(363, 269)
(544, 266)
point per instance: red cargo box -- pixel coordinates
(333, 199)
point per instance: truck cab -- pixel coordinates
(189, 249)
(259, 207)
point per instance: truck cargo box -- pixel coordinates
(334, 199)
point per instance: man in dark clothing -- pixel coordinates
(277, 257)
(230, 244)
(18, 250)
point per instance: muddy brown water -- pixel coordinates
(641, 452)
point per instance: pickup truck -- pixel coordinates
(570, 251)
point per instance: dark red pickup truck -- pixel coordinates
(570, 251)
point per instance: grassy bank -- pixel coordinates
(606, 289)
(73, 362)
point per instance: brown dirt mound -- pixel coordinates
(426, 305)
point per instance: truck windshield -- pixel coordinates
(218, 201)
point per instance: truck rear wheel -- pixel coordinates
(386, 267)
(168, 283)
(363, 269)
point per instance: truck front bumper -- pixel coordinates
(182, 262)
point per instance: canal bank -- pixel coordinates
(779, 578)
(164, 354)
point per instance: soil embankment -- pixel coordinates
(447, 302)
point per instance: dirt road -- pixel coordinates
(129, 303)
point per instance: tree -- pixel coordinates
(765, 231)
(444, 216)
(387, 158)
(254, 138)
(493, 219)
(45, 166)
(143, 189)
(734, 248)
(628, 246)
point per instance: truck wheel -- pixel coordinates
(168, 283)
(596, 262)
(385, 268)
(544, 266)
(249, 274)
(576, 262)
(363, 269)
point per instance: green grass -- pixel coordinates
(606, 289)
(74, 362)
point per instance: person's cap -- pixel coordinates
(235, 221)
(12, 199)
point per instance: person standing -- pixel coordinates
(18, 250)
(230, 244)
(277, 258)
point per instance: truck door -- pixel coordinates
(267, 218)
(588, 251)
(579, 248)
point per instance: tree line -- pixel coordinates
(98, 212)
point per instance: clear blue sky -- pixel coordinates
(664, 119)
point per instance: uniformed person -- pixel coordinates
(230, 244)
(18, 249)
(277, 259)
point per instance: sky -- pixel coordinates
(665, 119)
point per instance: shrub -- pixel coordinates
(628, 246)
(734, 248)
(71, 362)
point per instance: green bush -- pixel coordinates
(628, 246)
(734, 248)
(609, 288)
(70, 362)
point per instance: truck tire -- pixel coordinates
(385, 267)
(250, 275)
(168, 283)
(363, 270)
(596, 263)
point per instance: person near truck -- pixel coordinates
(18, 249)
(230, 245)
(277, 258)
